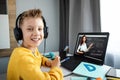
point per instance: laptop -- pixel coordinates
(95, 45)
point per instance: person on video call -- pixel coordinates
(82, 48)
(25, 60)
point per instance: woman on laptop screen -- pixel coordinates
(82, 48)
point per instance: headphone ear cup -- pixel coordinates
(17, 31)
(45, 32)
(18, 34)
(45, 28)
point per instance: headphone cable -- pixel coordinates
(44, 46)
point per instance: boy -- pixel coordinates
(25, 61)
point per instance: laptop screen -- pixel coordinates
(92, 45)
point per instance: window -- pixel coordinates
(110, 22)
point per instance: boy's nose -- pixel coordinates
(36, 32)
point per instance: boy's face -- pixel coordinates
(33, 32)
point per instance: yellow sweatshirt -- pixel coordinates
(23, 65)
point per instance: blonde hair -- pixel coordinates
(32, 13)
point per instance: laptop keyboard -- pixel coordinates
(71, 64)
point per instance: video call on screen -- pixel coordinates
(99, 46)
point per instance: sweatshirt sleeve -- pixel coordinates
(29, 70)
(44, 59)
(56, 73)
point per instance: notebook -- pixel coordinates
(113, 73)
(91, 70)
(97, 43)
(79, 78)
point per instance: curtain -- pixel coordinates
(84, 16)
(64, 24)
(110, 22)
(77, 16)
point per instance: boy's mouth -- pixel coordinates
(35, 39)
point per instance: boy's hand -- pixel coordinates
(56, 62)
(53, 63)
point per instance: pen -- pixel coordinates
(64, 60)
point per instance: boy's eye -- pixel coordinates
(40, 29)
(30, 29)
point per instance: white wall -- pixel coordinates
(50, 9)
(4, 32)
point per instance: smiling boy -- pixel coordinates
(25, 60)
